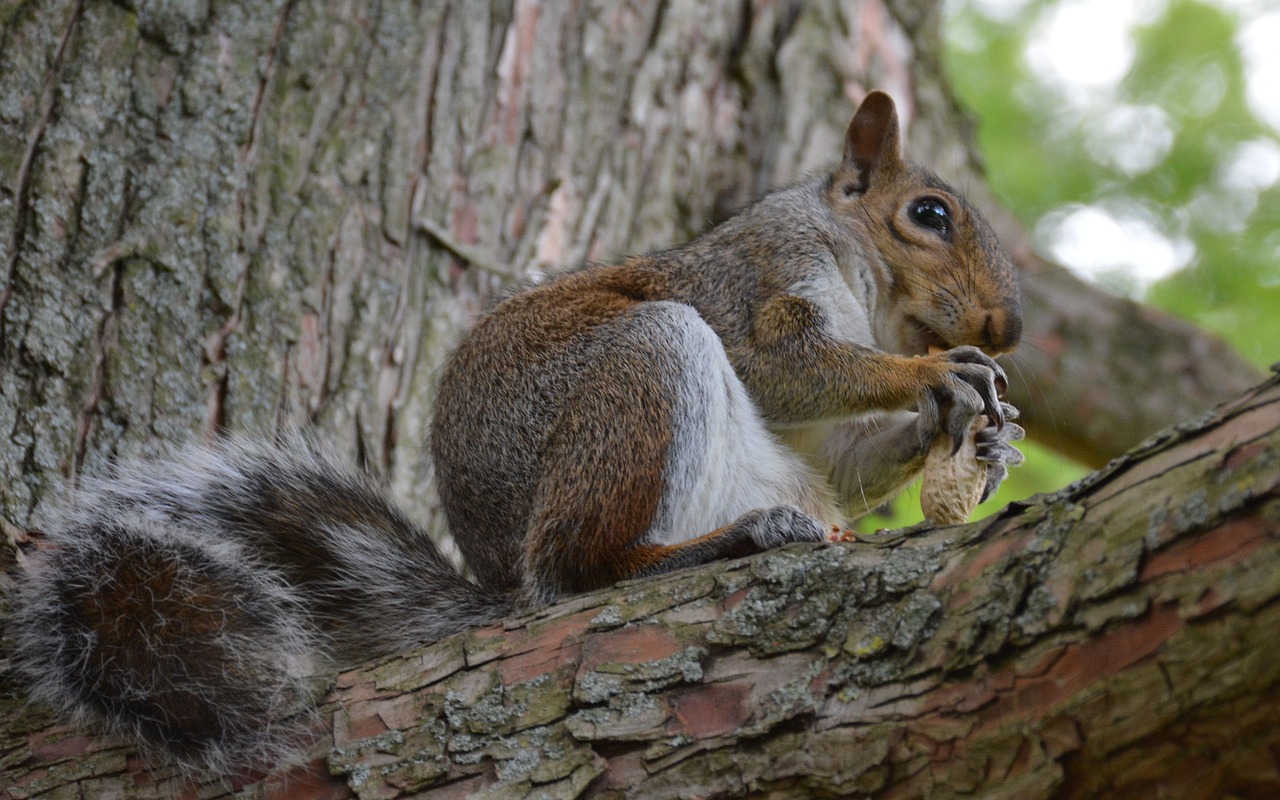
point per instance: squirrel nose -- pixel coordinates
(1002, 331)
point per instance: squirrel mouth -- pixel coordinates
(923, 340)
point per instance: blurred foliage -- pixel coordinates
(1047, 149)
(1168, 153)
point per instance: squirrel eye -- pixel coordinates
(932, 213)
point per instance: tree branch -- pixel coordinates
(1114, 637)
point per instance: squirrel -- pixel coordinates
(781, 374)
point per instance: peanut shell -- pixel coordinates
(953, 484)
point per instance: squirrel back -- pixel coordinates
(760, 385)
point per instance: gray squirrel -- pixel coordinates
(774, 378)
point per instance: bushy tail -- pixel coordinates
(188, 603)
(144, 628)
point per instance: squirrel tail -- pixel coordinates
(190, 603)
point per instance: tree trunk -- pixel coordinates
(1114, 639)
(238, 215)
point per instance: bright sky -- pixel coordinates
(1083, 48)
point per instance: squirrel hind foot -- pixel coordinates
(181, 648)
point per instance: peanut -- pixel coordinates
(953, 484)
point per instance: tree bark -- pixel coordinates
(1115, 639)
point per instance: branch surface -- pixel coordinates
(1115, 637)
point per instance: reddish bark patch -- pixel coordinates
(734, 600)
(354, 687)
(635, 645)
(399, 713)
(1091, 661)
(360, 722)
(993, 552)
(1038, 667)
(551, 648)
(981, 560)
(1035, 690)
(1243, 454)
(311, 780)
(940, 705)
(715, 710)
(626, 770)
(1227, 544)
(34, 776)
(46, 747)
(536, 663)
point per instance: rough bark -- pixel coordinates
(1113, 639)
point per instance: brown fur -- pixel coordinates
(554, 424)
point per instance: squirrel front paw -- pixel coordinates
(968, 383)
(994, 449)
(955, 482)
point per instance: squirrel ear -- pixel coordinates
(872, 138)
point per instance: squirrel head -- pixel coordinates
(943, 280)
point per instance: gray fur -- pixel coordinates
(204, 517)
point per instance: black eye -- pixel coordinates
(932, 213)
